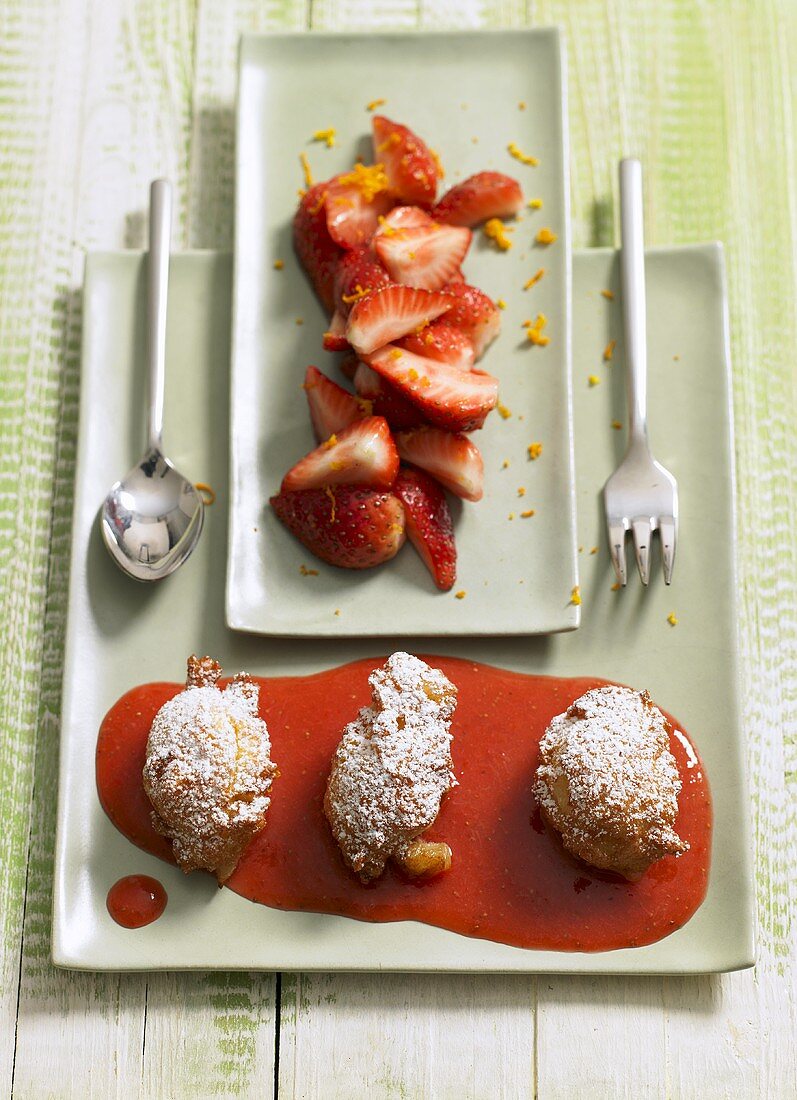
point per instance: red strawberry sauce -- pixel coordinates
(510, 881)
(136, 900)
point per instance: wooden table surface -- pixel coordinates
(96, 98)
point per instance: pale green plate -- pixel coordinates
(518, 575)
(122, 633)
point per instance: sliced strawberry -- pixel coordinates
(316, 250)
(353, 213)
(362, 454)
(477, 315)
(452, 458)
(441, 341)
(390, 313)
(428, 523)
(403, 217)
(359, 272)
(331, 407)
(449, 398)
(485, 195)
(412, 170)
(426, 257)
(351, 527)
(385, 400)
(335, 336)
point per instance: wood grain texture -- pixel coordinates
(96, 97)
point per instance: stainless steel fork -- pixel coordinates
(640, 496)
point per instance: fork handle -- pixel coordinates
(632, 267)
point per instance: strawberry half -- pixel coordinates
(352, 213)
(403, 217)
(427, 257)
(335, 336)
(317, 251)
(385, 400)
(485, 195)
(362, 454)
(350, 527)
(358, 272)
(448, 397)
(390, 313)
(441, 341)
(428, 523)
(331, 407)
(412, 171)
(452, 458)
(477, 315)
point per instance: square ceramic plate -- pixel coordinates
(291, 86)
(121, 633)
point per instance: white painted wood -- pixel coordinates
(98, 97)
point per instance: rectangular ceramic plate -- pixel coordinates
(291, 86)
(121, 633)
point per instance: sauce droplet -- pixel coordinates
(136, 900)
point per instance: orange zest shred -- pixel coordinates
(328, 136)
(300, 320)
(495, 230)
(521, 106)
(460, 595)
(575, 596)
(395, 353)
(534, 451)
(366, 405)
(527, 514)
(356, 294)
(330, 442)
(616, 586)
(322, 198)
(594, 550)
(593, 380)
(608, 294)
(500, 303)
(535, 278)
(331, 494)
(521, 491)
(207, 493)
(608, 351)
(387, 230)
(546, 236)
(535, 334)
(279, 265)
(370, 180)
(308, 572)
(389, 142)
(535, 204)
(372, 106)
(511, 515)
(672, 619)
(308, 174)
(505, 464)
(518, 154)
(504, 412)
(616, 425)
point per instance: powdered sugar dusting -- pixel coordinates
(393, 764)
(208, 770)
(608, 781)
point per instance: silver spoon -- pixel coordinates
(152, 518)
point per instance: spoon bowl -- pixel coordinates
(152, 519)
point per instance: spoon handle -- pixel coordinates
(160, 226)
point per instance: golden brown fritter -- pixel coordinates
(391, 769)
(208, 769)
(608, 783)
